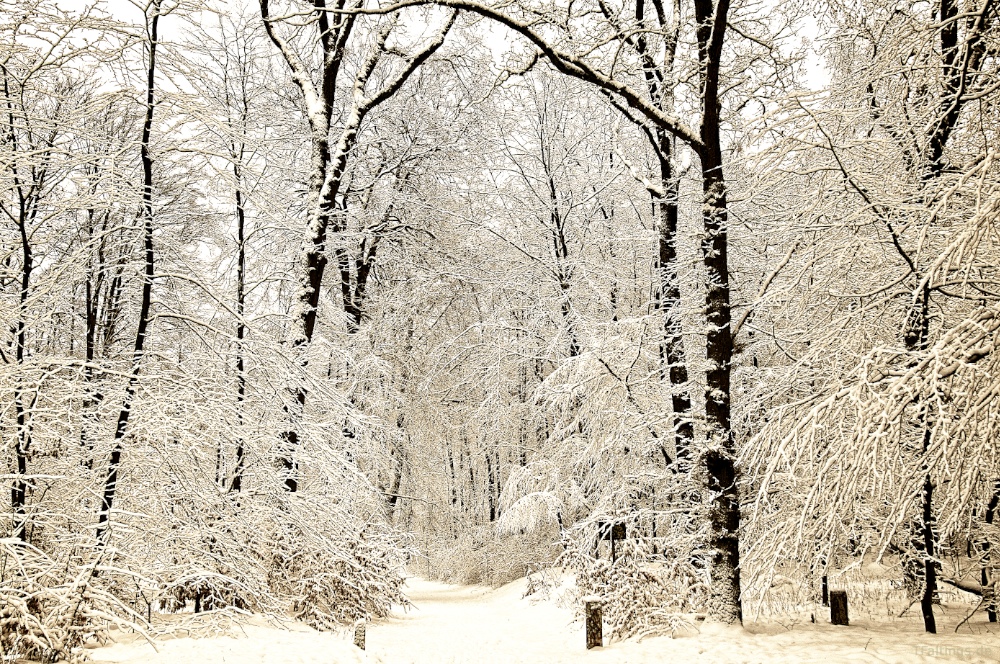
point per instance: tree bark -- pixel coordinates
(236, 484)
(991, 510)
(720, 464)
(674, 360)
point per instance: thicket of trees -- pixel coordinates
(299, 293)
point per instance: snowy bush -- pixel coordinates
(49, 608)
(337, 581)
(642, 593)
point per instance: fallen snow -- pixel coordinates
(258, 642)
(469, 624)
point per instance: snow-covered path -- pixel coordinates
(454, 624)
(474, 625)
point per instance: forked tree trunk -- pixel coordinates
(328, 167)
(27, 185)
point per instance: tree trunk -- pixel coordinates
(92, 293)
(491, 486)
(930, 566)
(23, 440)
(916, 337)
(111, 481)
(674, 360)
(720, 464)
(236, 484)
(991, 510)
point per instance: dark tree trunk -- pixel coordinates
(492, 487)
(960, 62)
(720, 464)
(991, 510)
(916, 336)
(23, 440)
(675, 365)
(397, 480)
(956, 77)
(111, 481)
(92, 292)
(323, 196)
(27, 187)
(236, 485)
(452, 480)
(560, 253)
(930, 566)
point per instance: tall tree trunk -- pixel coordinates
(720, 463)
(28, 185)
(916, 338)
(490, 486)
(669, 302)
(236, 484)
(658, 77)
(23, 439)
(93, 397)
(111, 481)
(991, 510)
(560, 253)
(956, 77)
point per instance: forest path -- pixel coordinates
(454, 624)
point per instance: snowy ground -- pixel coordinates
(469, 624)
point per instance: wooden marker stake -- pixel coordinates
(838, 607)
(595, 623)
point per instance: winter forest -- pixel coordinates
(301, 298)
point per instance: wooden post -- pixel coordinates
(825, 591)
(989, 593)
(838, 607)
(359, 634)
(595, 622)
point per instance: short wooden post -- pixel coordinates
(825, 591)
(989, 593)
(838, 607)
(359, 634)
(595, 622)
